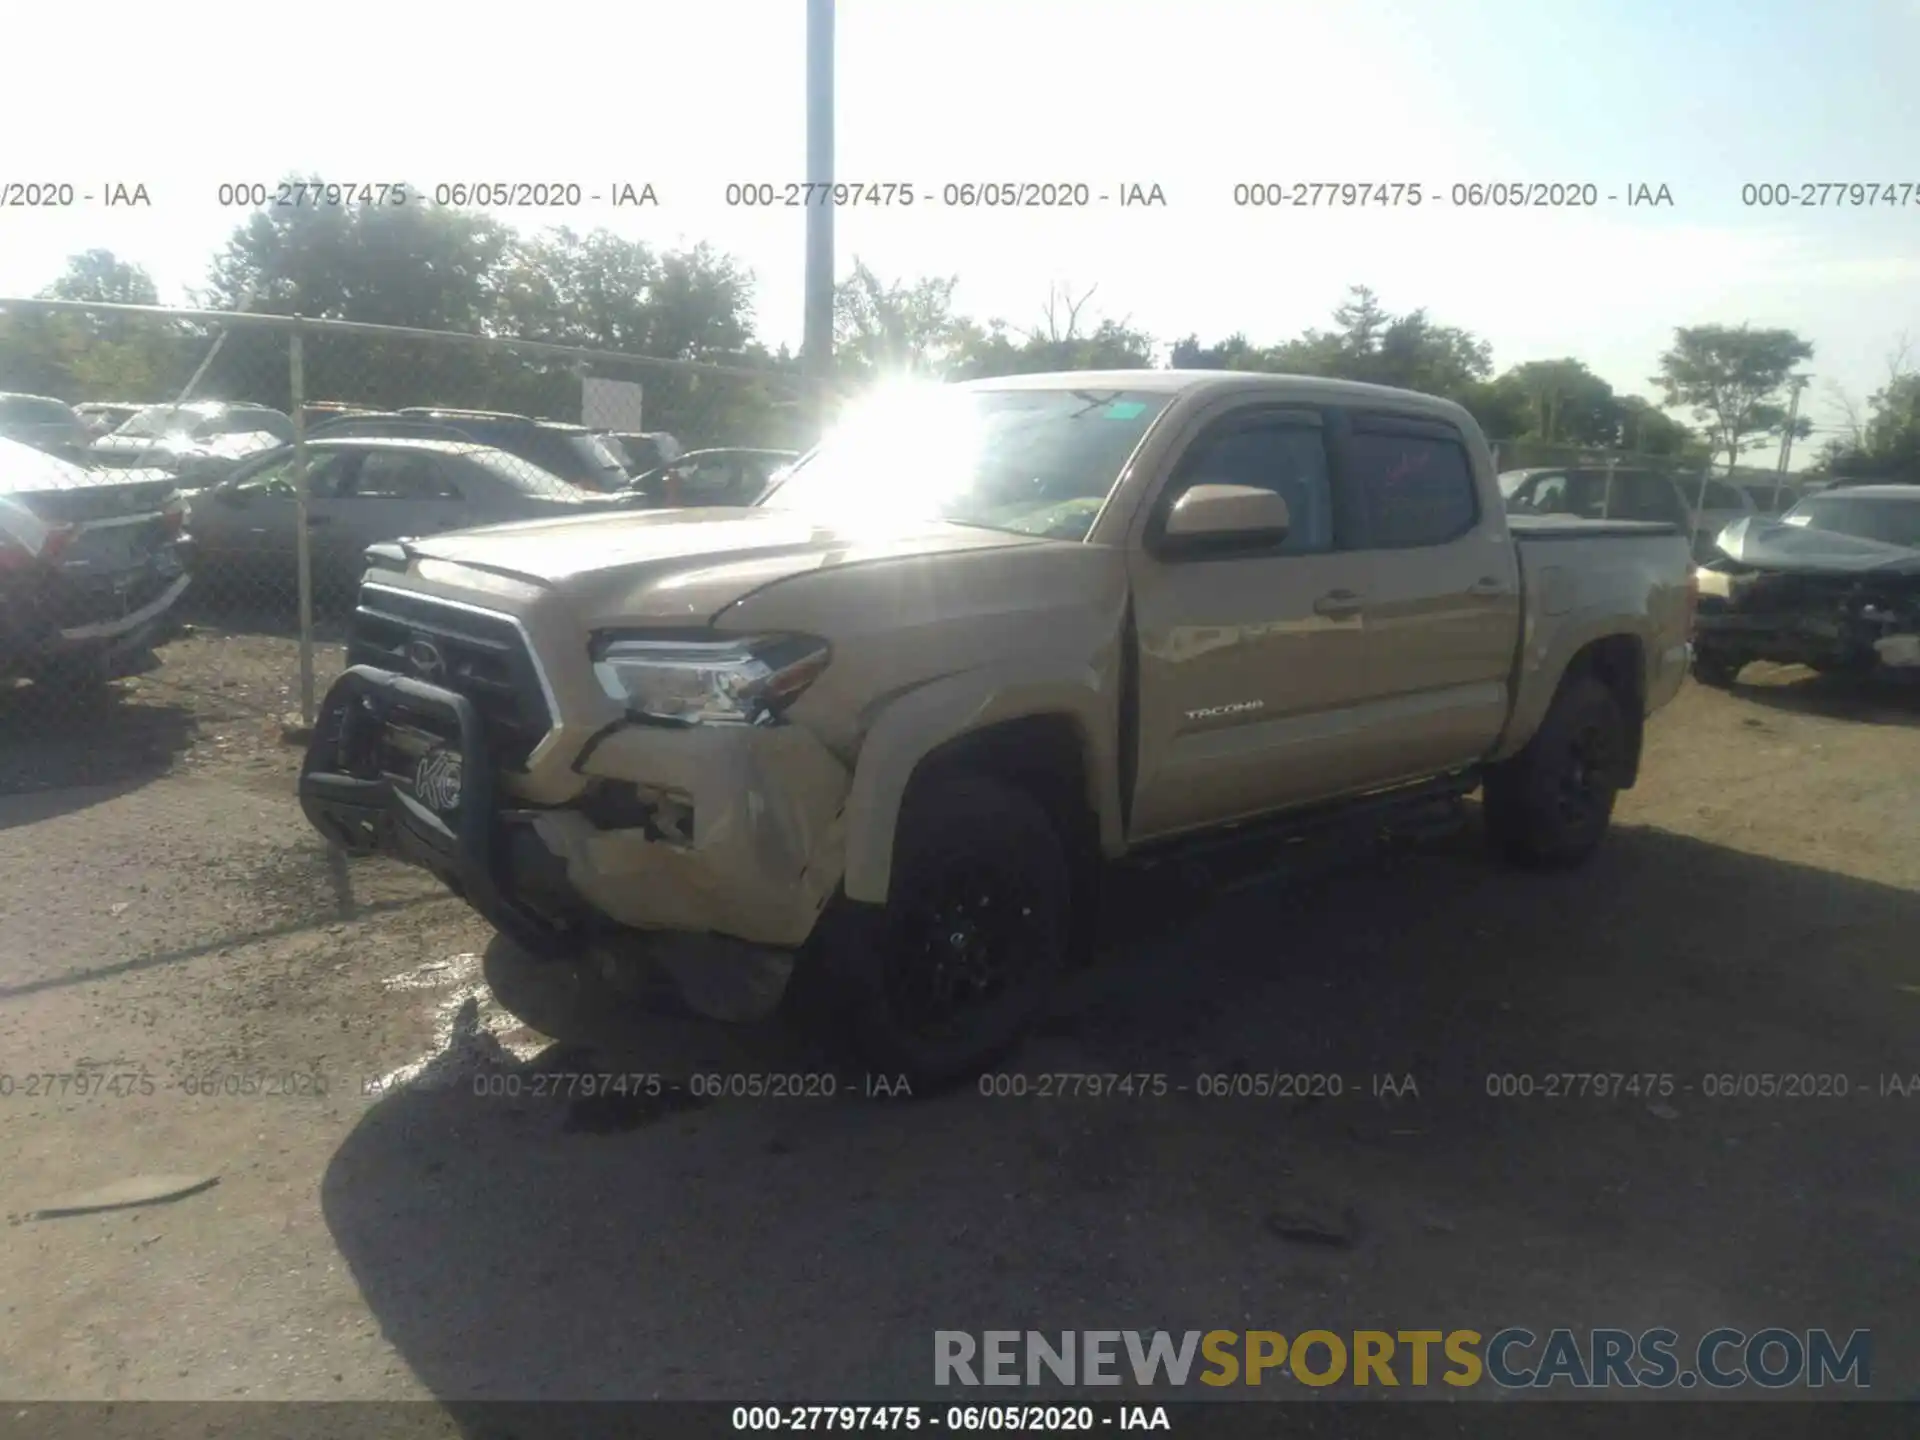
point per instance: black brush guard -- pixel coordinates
(355, 806)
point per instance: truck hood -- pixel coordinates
(676, 565)
(1767, 544)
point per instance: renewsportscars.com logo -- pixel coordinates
(1513, 1358)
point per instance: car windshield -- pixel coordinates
(601, 453)
(32, 410)
(1890, 519)
(1034, 462)
(158, 420)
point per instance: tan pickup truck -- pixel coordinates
(891, 729)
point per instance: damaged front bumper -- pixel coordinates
(1832, 622)
(694, 862)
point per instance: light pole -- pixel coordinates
(816, 350)
(1786, 439)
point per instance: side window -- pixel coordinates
(1722, 497)
(1287, 458)
(274, 479)
(325, 474)
(1648, 497)
(1414, 484)
(394, 475)
(1543, 495)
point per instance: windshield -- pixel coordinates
(602, 452)
(1034, 462)
(31, 410)
(158, 420)
(1890, 519)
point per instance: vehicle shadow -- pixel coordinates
(1890, 699)
(519, 1241)
(62, 751)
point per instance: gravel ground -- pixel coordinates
(434, 1217)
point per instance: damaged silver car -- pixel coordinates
(1833, 584)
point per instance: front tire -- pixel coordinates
(961, 961)
(1550, 806)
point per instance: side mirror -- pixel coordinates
(1226, 517)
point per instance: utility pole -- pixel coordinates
(816, 351)
(1786, 439)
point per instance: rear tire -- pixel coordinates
(1549, 807)
(949, 974)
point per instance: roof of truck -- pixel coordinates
(1180, 382)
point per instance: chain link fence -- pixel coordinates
(185, 498)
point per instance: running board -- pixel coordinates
(1257, 850)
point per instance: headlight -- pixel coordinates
(680, 681)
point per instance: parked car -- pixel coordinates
(364, 490)
(320, 412)
(646, 450)
(1594, 492)
(200, 442)
(975, 653)
(44, 423)
(576, 454)
(92, 565)
(714, 477)
(102, 417)
(1833, 584)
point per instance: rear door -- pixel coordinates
(1250, 662)
(1442, 581)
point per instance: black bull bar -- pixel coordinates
(349, 798)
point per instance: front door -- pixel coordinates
(1250, 664)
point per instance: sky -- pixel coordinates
(1194, 96)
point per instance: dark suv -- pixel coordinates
(573, 452)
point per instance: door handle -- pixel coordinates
(313, 520)
(1338, 604)
(1487, 587)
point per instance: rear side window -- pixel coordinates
(1639, 496)
(398, 475)
(1413, 483)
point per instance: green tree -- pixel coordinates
(1569, 403)
(895, 329)
(1646, 429)
(602, 291)
(1732, 378)
(1370, 344)
(103, 276)
(410, 265)
(92, 356)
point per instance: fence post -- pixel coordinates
(302, 536)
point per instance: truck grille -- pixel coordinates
(474, 653)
